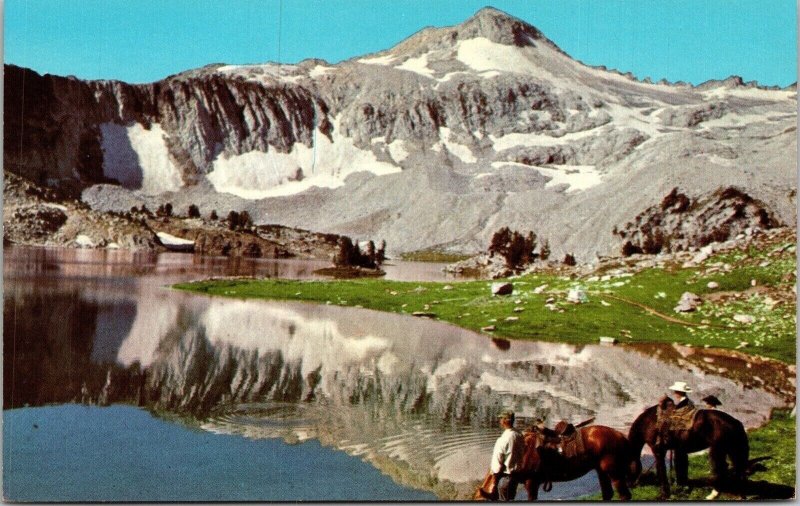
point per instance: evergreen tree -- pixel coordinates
(233, 220)
(544, 253)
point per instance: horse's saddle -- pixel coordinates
(672, 419)
(565, 441)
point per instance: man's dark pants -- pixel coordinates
(506, 486)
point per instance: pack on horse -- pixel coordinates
(706, 428)
(567, 453)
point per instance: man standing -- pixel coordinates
(506, 457)
(679, 391)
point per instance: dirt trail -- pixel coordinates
(666, 317)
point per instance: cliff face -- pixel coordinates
(487, 119)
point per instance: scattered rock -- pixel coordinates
(519, 309)
(688, 303)
(713, 285)
(539, 289)
(423, 314)
(489, 328)
(608, 340)
(604, 303)
(753, 282)
(577, 295)
(512, 318)
(502, 288)
(447, 287)
(744, 318)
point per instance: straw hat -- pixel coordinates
(680, 386)
(506, 415)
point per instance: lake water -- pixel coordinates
(412, 398)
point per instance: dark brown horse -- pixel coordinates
(607, 451)
(720, 432)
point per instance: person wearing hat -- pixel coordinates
(711, 401)
(679, 391)
(507, 457)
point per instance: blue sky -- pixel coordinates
(146, 40)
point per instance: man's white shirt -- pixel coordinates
(508, 450)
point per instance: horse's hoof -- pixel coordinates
(713, 495)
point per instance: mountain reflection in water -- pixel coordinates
(391, 388)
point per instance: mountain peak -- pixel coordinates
(499, 27)
(488, 23)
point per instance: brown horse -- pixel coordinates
(606, 451)
(720, 432)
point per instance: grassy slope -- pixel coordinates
(470, 304)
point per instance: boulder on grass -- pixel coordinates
(688, 303)
(502, 288)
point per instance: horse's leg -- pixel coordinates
(605, 484)
(681, 459)
(532, 488)
(740, 456)
(621, 485)
(617, 469)
(717, 456)
(661, 472)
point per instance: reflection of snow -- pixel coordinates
(369, 363)
(155, 318)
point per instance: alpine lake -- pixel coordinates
(118, 387)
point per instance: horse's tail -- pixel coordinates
(635, 466)
(636, 440)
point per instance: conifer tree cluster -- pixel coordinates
(239, 221)
(349, 254)
(518, 250)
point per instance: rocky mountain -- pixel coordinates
(436, 142)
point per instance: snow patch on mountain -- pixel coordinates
(576, 177)
(397, 150)
(723, 92)
(257, 175)
(461, 151)
(138, 158)
(320, 70)
(418, 65)
(482, 54)
(387, 59)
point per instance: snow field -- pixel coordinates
(257, 175)
(138, 158)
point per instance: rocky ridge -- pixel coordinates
(484, 124)
(38, 216)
